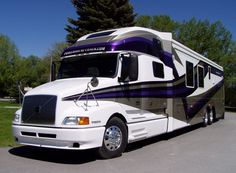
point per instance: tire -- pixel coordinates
(210, 117)
(223, 116)
(214, 114)
(205, 120)
(114, 139)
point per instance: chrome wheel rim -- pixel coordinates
(206, 119)
(113, 138)
(211, 116)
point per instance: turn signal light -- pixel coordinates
(83, 120)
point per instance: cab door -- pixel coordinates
(130, 86)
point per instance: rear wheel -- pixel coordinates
(214, 114)
(205, 120)
(114, 140)
(223, 116)
(210, 117)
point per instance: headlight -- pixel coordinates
(17, 118)
(76, 121)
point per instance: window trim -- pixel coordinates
(134, 58)
(198, 76)
(76, 58)
(163, 72)
(186, 76)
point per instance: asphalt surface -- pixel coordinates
(196, 150)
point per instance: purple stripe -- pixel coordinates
(177, 90)
(192, 111)
(157, 93)
(140, 93)
(138, 44)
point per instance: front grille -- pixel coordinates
(40, 135)
(39, 109)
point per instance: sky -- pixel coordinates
(35, 25)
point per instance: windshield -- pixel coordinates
(96, 65)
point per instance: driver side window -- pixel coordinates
(129, 69)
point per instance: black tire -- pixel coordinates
(223, 116)
(214, 114)
(205, 120)
(210, 118)
(114, 139)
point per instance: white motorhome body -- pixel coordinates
(144, 84)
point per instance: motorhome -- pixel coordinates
(119, 86)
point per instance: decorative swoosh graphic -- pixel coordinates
(169, 89)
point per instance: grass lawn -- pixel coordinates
(6, 117)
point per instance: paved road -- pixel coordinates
(196, 150)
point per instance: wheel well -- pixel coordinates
(210, 108)
(213, 109)
(214, 112)
(119, 116)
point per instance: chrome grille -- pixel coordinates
(39, 109)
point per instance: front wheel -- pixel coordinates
(114, 140)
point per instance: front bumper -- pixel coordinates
(60, 138)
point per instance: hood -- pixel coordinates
(66, 87)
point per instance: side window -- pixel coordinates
(189, 74)
(158, 69)
(129, 70)
(200, 71)
(209, 72)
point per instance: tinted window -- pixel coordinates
(158, 69)
(97, 65)
(129, 70)
(189, 74)
(200, 76)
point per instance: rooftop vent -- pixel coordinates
(100, 34)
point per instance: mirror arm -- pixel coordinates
(120, 79)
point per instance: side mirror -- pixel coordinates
(94, 82)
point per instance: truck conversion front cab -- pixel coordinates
(112, 88)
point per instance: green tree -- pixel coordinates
(53, 54)
(32, 71)
(28, 72)
(98, 15)
(160, 23)
(56, 50)
(9, 57)
(144, 21)
(229, 64)
(211, 40)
